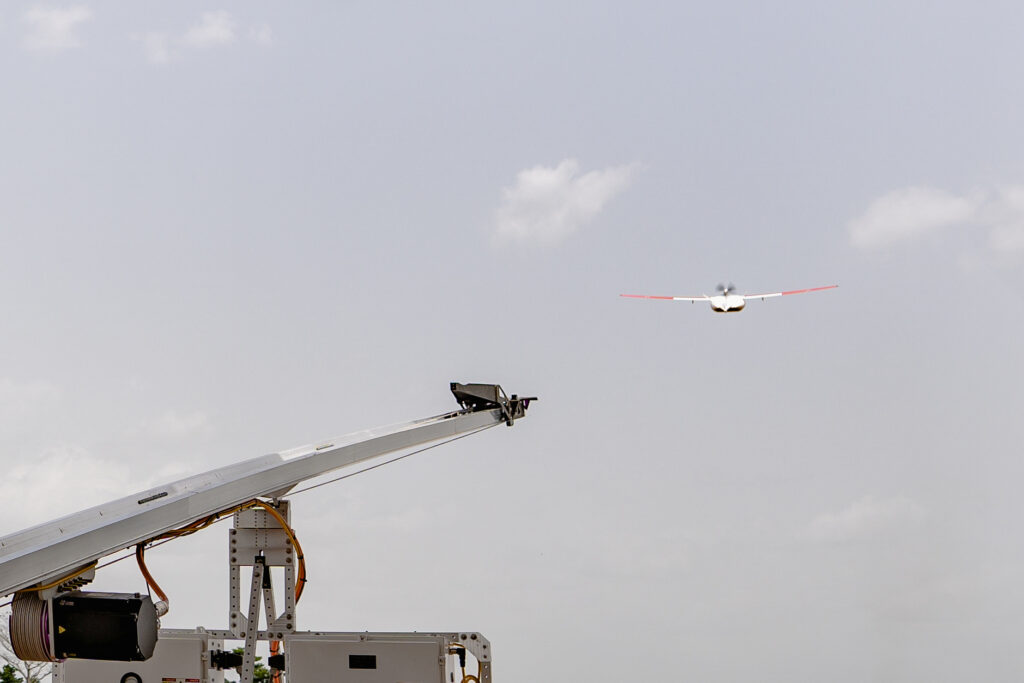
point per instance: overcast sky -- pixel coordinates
(229, 229)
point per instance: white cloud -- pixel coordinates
(173, 424)
(546, 205)
(22, 402)
(59, 480)
(907, 214)
(867, 518)
(214, 28)
(159, 47)
(54, 30)
(911, 213)
(1006, 215)
(261, 34)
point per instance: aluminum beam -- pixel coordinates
(49, 551)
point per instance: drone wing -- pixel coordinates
(792, 291)
(666, 298)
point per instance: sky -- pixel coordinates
(230, 229)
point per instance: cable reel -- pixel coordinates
(80, 625)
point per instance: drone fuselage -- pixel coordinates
(727, 303)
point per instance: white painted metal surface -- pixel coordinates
(50, 551)
(316, 657)
(349, 658)
(181, 656)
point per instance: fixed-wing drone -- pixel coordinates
(727, 300)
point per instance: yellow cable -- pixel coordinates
(209, 520)
(58, 582)
(466, 678)
(140, 551)
(300, 582)
(188, 529)
(191, 528)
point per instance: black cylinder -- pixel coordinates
(111, 626)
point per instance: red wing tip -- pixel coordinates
(812, 289)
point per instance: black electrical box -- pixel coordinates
(109, 626)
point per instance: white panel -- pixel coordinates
(179, 657)
(328, 659)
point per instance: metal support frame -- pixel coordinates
(257, 540)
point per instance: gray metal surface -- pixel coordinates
(49, 551)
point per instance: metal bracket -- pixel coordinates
(69, 585)
(476, 397)
(479, 647)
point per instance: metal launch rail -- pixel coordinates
(49, 552)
